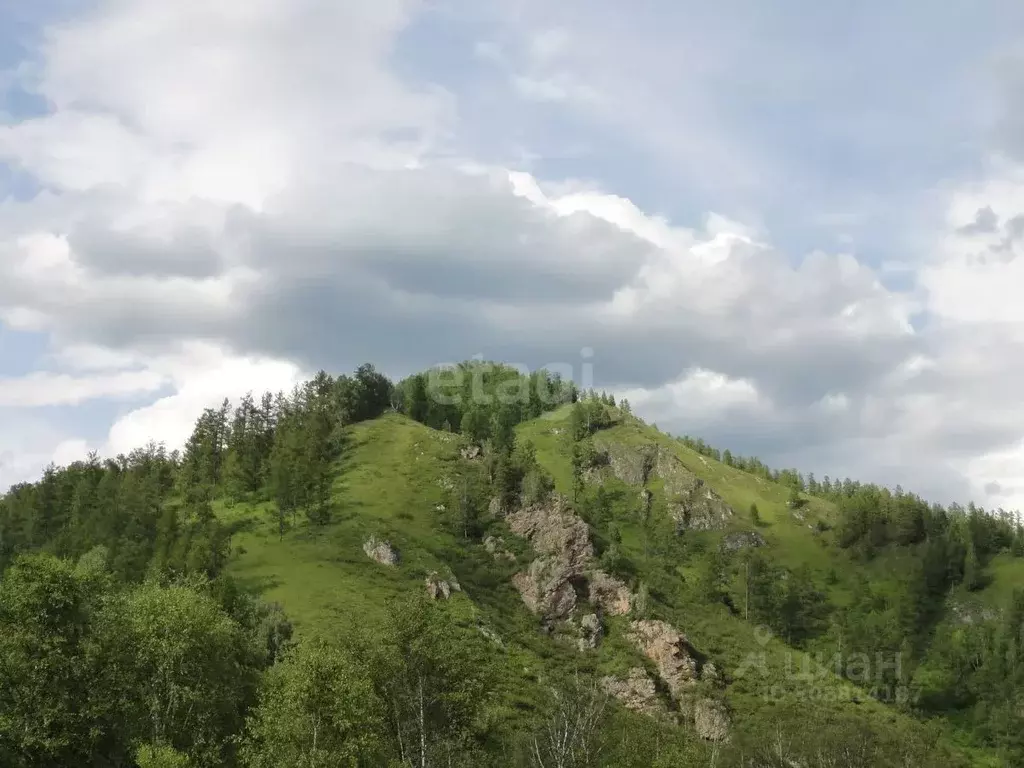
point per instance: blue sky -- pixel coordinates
(754, 213)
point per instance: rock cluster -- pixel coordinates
(711, 719)
(681, 668)
(382, 551)
(611, 594)
(742, 540)
(670, 651)
(439, 588)
(564, 571)
(636, 692)
(691, 502)
(564, 574)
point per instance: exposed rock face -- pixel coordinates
(563, 572)
(591, 632)
(547, 588)
(554, 530)
(637, 692)
(471, 452)
(681, 668)
(711, 720)
(439, 588)
(382, 551)
(972, 614)
(692, 503)
(669, 649)
(608, 592)
(742, 540)
(698, 507)
(625, 462)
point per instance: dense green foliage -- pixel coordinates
(132, 631)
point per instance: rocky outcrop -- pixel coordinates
(636, 692)
(382, 551)
(491, 635)
(742, 540)
(439, 588)
(471, 452)
(695, 506)
(671, 653)
(609, 593)
(547, 589)
(563, 573)
(494, 507)
(963, 613)
(711, 719)
(553, 530)
(591, 632)
(691, 502)
(550, 585)
(682, 669)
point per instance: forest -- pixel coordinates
(130, 636)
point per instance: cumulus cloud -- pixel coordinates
(278, 200)
(39, 389)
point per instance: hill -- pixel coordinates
(591, 575)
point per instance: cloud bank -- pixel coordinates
(233, 208)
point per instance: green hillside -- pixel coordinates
(540, 556)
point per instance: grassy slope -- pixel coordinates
(791, 541)
(388, 486)
(391, 483)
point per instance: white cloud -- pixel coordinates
(39, 389)
(203, 376)
(698, 397)
(236, 206)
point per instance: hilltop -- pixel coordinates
(696, 607)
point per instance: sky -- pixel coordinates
(795, 230)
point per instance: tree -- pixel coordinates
(578, 466)
(434, 678)
(755, 514)
(247, 450)
(372, 393)
(321, 437)
(573, 733)
(161, 756)
(973, 578)
(466, 506)
(802, 607)
(53, 688)
(417, 404)
(187, 669)
(503, 436)
(203, 460)
(318, 709)
(475, 424)
(579, 426)
(712, 579)
(794, 501)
